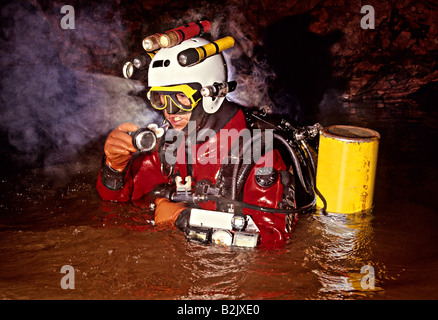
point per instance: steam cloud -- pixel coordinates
(54, 100)
(52, 105)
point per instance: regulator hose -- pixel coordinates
(294, 159)
(241, 171)
(245, 168)
(312, 171)
(260, 208)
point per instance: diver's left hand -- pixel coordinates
(166, 211)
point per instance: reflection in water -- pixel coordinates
(216, 272)
(346, 248)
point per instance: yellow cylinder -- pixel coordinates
(346, 169)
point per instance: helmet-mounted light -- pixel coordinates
(137, 69)
(175, 36)
(219, 89)
(192, 56)
(166, 71)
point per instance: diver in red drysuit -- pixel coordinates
(202, 125)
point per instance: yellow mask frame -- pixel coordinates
(173, 94)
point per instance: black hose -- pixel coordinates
(294, 159)
(312, 171)
(246, 168)
(324, 201)
(307, 159)
(263, 209)
(241, 171)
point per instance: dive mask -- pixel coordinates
(183, 97)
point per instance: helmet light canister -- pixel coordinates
(192, 56)
(143, 60)
(136, 70)
(219, 89)
(347, 161)
(176, 36)
(151, 43)
(128, 70)
(170, 39)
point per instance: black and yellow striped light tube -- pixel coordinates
(143, 60)
(191, 56)
(141, 63)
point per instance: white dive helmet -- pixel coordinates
(164, 70)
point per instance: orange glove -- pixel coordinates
(118, 146)
(167, 211)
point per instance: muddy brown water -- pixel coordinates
(51, 217)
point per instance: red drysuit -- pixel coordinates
(145, 173)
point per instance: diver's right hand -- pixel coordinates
(118, 146)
